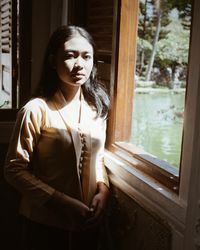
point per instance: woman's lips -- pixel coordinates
(78, 75)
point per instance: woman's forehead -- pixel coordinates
(78, 43)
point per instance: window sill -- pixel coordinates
(149, 193)
(151, 166)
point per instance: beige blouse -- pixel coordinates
(45, 155)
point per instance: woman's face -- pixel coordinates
(74, 61)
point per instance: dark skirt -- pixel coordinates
(36, 236)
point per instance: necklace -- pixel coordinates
(82, 136)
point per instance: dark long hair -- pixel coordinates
(94, 91)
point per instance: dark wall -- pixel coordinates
(9, 217)
(131, 227)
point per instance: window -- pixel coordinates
(15, 52)
(8, 51)
(160, 84)
(123, 130)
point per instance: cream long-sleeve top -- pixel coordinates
(44, 155)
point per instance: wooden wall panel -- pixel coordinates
(100, 24)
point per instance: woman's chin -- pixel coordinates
(75, 83)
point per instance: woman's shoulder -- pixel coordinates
(33, 110)
(100, 121)
(34, 106)
(95, 116)
(35, 103)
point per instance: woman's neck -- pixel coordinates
(70, 93)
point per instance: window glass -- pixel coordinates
(161, 80)
(8, 43)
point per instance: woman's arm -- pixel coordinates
(17, 171)
(100, 200)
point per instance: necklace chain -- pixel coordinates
(82, 135)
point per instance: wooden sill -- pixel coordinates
(156, 169)
(146, 191)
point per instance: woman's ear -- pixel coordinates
(52, 62)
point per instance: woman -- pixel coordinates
(55, 158)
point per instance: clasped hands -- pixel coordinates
(92, 216)
(78, 215)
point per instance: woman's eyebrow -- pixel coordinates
(77, 51)
(70, 50)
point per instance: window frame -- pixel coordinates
(23, 64)
(119, 123)
(175, 208)
(10, 15)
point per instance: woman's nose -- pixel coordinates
(78, 63)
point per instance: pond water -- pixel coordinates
(158, 124)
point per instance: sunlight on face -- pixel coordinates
(74, 61)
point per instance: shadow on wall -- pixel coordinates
(129, 226)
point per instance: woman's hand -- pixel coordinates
(74, 211)
(98, 205)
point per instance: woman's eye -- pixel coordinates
(69, 56)
(87, 57)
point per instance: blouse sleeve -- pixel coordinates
(17, 170)
(101, 173)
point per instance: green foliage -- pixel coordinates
(173, 42)
(174, 49)
(143, 44)
(148, 19)
(185, 8)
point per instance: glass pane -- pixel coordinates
(160, 79)
(7, 40)
(5, 55)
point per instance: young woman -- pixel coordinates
(55, 157)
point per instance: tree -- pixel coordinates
(162, 8)
(155, 40)
(173, 51)
(146, 31)
(143, 34)
(161, 11)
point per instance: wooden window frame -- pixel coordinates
(119, 123)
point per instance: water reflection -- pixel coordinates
(158, 124)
